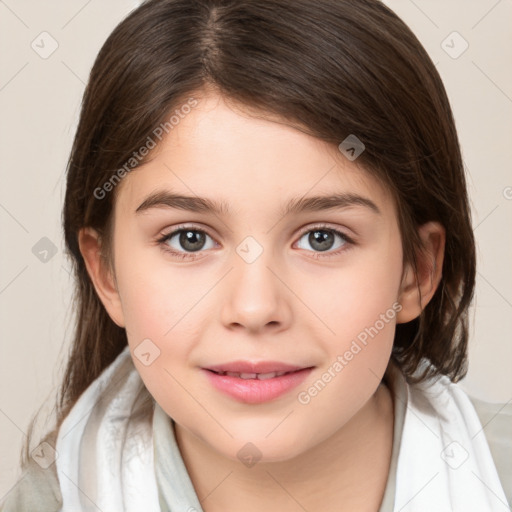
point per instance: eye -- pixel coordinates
(323, 239)
(183, 241)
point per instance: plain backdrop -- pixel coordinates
(469, 41)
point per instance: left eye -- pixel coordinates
(323, 239)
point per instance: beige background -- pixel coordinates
(40, 99)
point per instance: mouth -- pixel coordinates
(242, 367)
(246, 376)
(256, 387)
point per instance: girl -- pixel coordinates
(268, 219)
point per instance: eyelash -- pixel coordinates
(349, 242)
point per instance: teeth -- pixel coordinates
(259, 376)
(242, 375)
(265, 376)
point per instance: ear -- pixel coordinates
(101, 277)
(417, 290)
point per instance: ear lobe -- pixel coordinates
(416, 291)
(101, 277)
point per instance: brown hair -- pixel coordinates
(331, 67)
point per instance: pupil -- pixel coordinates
(192, 240)
(321, 240)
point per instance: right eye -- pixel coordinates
(183, 242)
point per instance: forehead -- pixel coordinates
(245, 160)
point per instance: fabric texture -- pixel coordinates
(130, 461)
(444, 463)
(105, 446)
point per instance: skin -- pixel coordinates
(333, 453)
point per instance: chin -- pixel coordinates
(257, 447)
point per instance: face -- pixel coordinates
(314, 288)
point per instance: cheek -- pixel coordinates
(157, 323)
(353, 296)
(154, 294)
(359, 306)
(161, 308)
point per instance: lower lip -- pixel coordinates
(255, 391)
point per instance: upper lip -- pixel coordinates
(255, 367)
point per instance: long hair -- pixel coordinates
(330, 68)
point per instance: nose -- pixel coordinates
(256, 298)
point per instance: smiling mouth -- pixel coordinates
(259, 376)
(256, 388)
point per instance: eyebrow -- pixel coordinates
(166, 199)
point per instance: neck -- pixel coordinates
(346, 472)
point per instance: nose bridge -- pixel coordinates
(256, 297)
